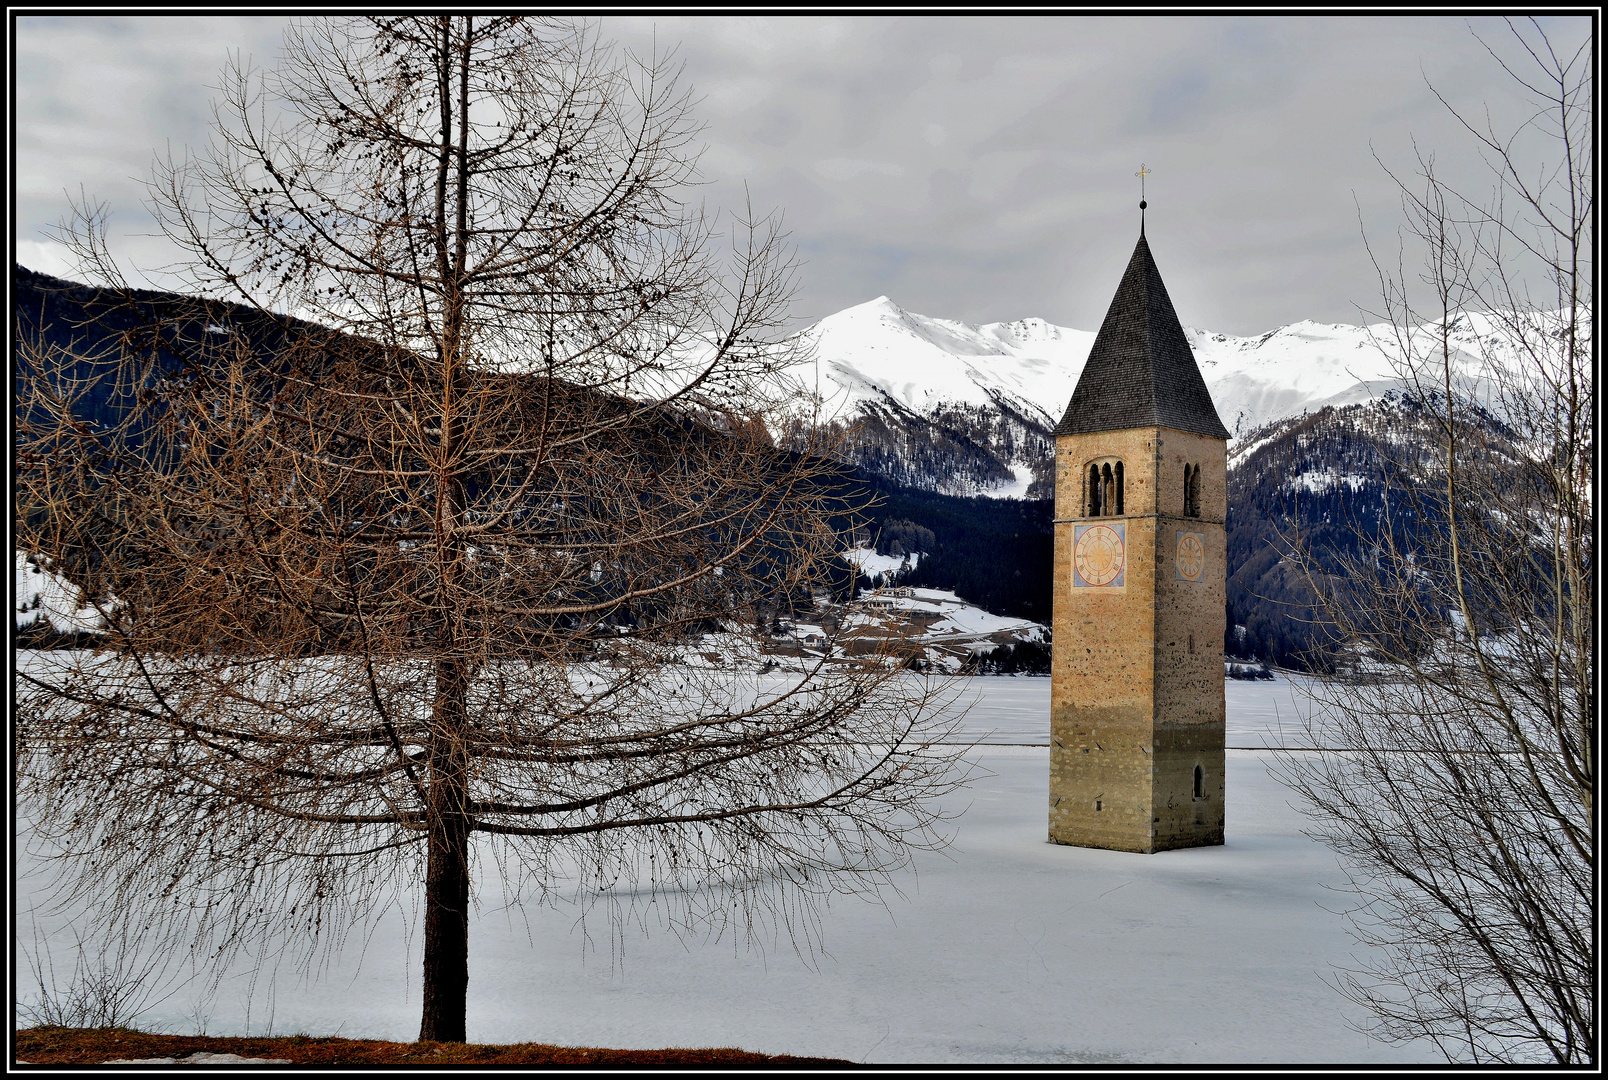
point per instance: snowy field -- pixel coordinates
(1004, 949)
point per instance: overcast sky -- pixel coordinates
(974, 168)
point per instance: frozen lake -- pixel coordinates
(1004, 949)
(1016, 711)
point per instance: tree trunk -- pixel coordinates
(446, 884)
(446, 935)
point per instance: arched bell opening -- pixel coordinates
(1105, 489)
(1192, 490)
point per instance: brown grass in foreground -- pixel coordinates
(91, 1046)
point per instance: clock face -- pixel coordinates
(1098, 556)
(1191, 556)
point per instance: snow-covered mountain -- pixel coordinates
(964, 409)
(879, 351)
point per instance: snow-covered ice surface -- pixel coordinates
(1015, 710)
(1005, 949)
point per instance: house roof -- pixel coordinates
(1141, 372)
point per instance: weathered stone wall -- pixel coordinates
(1136, 673)
(1189, 705)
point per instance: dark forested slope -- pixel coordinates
(1325, 477)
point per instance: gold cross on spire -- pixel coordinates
(1141, 174)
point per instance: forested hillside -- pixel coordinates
(995, 553)
(1325, 477)
(955, 449)
(1325, 480)
(1332, 481)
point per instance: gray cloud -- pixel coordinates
(978, 168)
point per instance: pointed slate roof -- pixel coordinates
(1141, 372)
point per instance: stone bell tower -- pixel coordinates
(1136, 697)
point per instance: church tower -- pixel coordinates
(1136, 697)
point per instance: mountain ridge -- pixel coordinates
(936, 411)
(883, 373)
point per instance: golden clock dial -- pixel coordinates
(1191, 556)
(1099, 555)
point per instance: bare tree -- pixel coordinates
(401, 525)
(1462, 801)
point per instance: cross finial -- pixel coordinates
(1141, 174)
